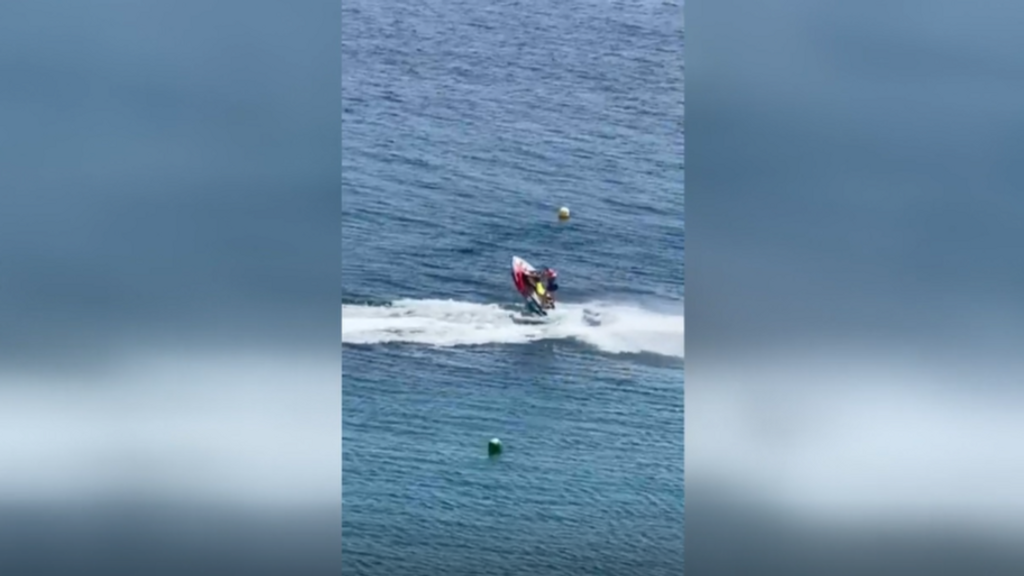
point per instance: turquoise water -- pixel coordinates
(465, 126)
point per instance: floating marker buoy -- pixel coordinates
(563, 213)
(494, 447)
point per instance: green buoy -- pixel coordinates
(494, 447)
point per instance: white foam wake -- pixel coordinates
(622, 329)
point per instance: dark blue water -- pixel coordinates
(465, 126)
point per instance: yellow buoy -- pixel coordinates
(563, 213)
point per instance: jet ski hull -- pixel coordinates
(531, 320)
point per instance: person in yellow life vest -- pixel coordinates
(549, 279)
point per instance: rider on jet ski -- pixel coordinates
(550, 278)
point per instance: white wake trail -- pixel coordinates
(622, 329)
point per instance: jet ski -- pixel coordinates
(534, 293)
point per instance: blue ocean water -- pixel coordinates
(465, 125)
